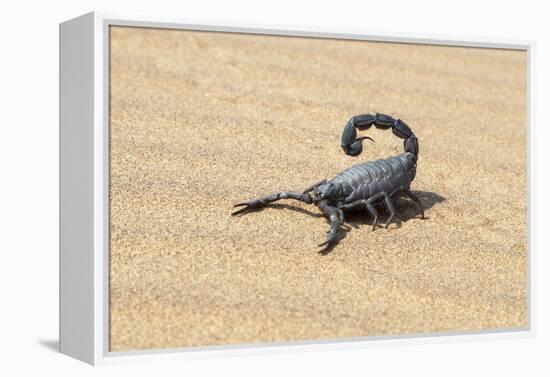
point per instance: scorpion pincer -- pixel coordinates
(363, 186)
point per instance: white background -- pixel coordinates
(29, 185)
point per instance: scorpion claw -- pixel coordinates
(324, 244)
(250, 205)
(331, 239)
(242, 210)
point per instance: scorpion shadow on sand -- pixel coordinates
(406, 210)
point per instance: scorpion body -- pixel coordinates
(362, 186)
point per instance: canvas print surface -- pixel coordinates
(201, 121)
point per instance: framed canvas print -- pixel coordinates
(239, 189)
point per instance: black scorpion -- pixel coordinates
(362, 186)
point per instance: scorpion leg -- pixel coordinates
(415, 199)
(412, 196)
(372, 210)
(335, 216)
(389, 205)
(374, 213)
(368, 203)
(262, 202)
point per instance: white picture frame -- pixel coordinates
(84, 148)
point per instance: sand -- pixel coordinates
(201, 121)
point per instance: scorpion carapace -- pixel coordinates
(362, 186)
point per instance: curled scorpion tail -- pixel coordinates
(353, 146)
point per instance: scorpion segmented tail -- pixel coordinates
(353, 146)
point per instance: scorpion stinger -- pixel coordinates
(352, 145)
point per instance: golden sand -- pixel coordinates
(201, 121)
